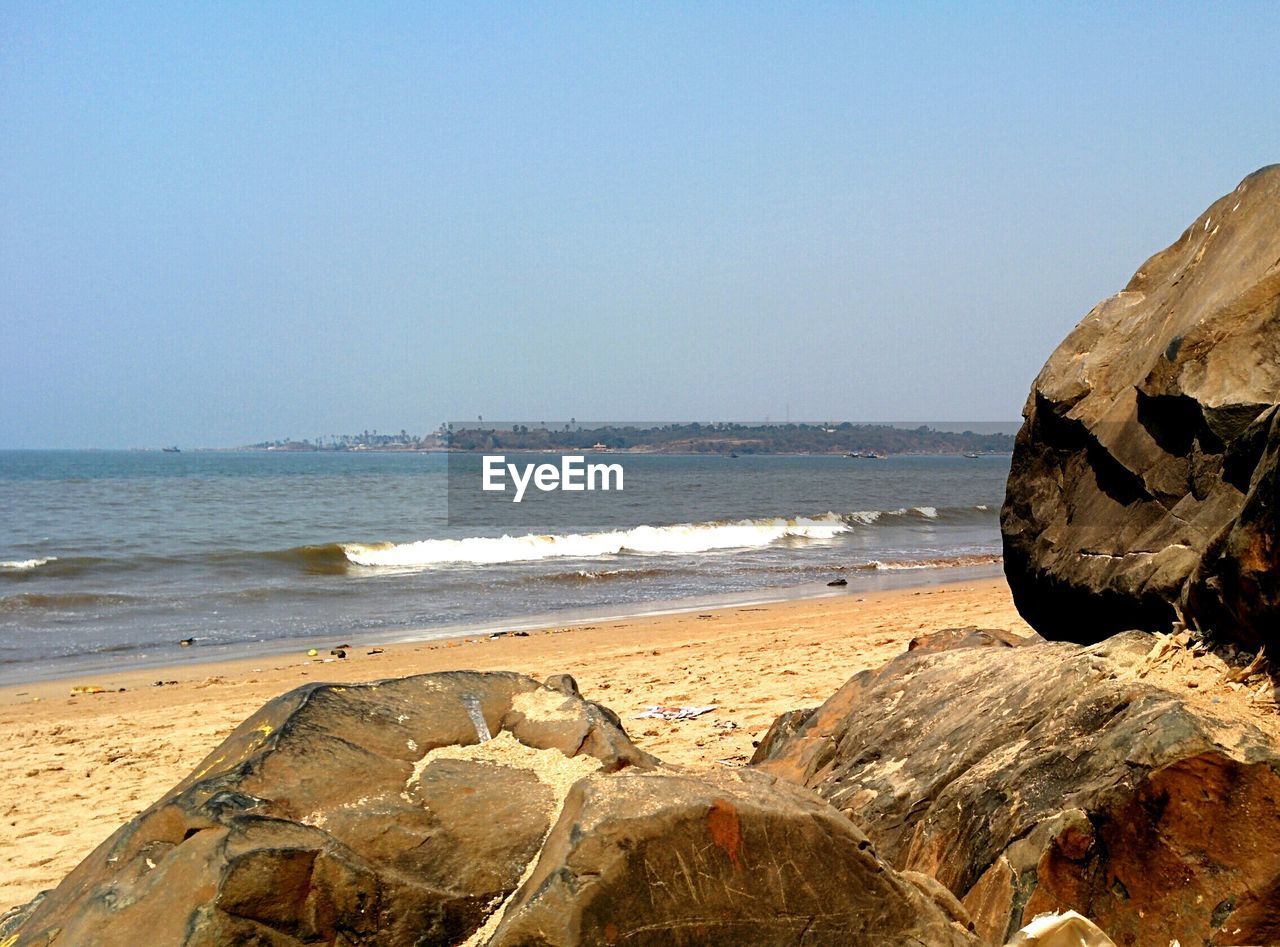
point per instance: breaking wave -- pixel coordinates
(604, 575)
(683, 539)
(339, 558)
(939, 562)
(25, 565)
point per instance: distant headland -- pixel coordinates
(844, 438)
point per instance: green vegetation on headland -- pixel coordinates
(692, 438)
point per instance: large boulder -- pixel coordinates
(467, 808)
(1144, 477)
(1124, 780)
(349, 814)
(669, 858)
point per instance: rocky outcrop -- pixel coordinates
(1235, 589)
(730, 858)
(970, 636)
(1144, 478)
(466, 808)
(1054, 777)
(344, 812)
(782, 729)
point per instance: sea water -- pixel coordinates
(111, 558)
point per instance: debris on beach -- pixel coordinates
(659, 712)
(838, 582)
(1068, 929)
(87, 689)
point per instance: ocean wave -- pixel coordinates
(979, 513)
(602, 575)
(682, 539)
(340, 558)
(939, 562)
(25, 565)
(62, 601)
(320, 559)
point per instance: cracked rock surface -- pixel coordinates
(1058, 776)
(475, 808)
(1145, 475)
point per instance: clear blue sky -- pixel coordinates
(225, 222)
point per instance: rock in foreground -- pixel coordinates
(1057, 777)
(732, 858)
(467, 808)
(347, 814)
(1145, 475)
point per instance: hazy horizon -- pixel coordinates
(976, 427)
(236, 224)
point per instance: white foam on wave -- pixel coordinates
(865, 517)
(928, 512)
(683, 539)
(878, 565)
(22, 565)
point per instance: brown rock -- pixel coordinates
(1145, 472)
(970, 636)
(383, 814)
(780, 731)
(1057, 777)
(1236, 584)
(724, 858)
(339, 814)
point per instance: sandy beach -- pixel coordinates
(77, 766)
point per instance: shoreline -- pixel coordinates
(106, 664)
(79, 766)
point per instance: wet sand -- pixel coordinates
(76, 767)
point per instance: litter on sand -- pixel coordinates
(1068, 929)
(658, 712)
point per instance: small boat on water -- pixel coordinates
(171, 450)
(972, 455)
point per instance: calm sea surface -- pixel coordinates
(113, 557)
